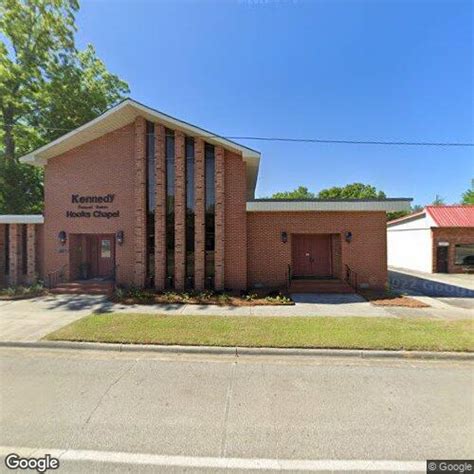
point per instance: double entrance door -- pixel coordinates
(96, 256)
(312, 255)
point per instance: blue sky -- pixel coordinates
(362, 70)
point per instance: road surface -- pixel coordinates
(143, 412)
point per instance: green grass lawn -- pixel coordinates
(309, 332)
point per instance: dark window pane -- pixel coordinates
(150, 201)
(210, 191)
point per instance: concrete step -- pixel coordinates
(320, 286)
(84, 287)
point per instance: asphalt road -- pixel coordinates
(143, 412)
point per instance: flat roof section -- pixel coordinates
(276, 205)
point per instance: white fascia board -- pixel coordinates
(291, 206)
(21, 219)
(37, 157)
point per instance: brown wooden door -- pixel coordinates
(101, 255)
(311, 255)
(105, 256)
(442, 259)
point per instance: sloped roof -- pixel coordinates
(442, 216)
(124, 113)
(452, 216)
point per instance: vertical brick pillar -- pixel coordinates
(219, 237)
(199, 215)
(3, 228)
(30, 254)
(179, 211)
(13, 254)
(140, 203)
(160, 208)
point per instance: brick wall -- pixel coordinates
(220, 219)
(268, 257)
(199, 220)
(101, 166)
(3, 276)
(160, 208)
(139, 273)
(179, 212)
(454, 235)
(235, 218)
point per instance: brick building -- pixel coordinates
(144, 199)
(439, 239)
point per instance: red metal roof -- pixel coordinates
(452, 216)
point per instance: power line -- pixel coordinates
(295, 140)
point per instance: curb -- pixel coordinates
(236, 351)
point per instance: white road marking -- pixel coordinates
(218, 462)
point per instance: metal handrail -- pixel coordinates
(55, 277)
(352, 277)
(289, 276)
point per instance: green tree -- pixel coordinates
(468, 197)
(301, 192)
(352, 191)
(47, 87)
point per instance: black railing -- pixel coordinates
(352, 277)
(289, 276)
(55, 277)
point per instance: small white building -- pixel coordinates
(437, 239)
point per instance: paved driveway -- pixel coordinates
(454, 290)
(30, 320)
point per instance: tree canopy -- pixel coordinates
(301, 192)
(352, 191)
(47, 88)
(468, 197)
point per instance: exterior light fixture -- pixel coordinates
(348, 236)
(284, 237)
(120, 237)
(62, 237)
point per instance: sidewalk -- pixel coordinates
(30, 320)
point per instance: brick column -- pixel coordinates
(30, 254)
(199, 215)
(179, 211)
(3, 228)
(160, 208)
(219, 237)
(140, 203)
(13, 254)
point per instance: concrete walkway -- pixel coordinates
(30, 320)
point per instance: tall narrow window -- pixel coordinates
(169, 143)
(189, 212)
(210, 190)
(150, 202)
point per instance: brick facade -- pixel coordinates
(453, 235)
(199, 212)
(248, 247)
(160, 208)
(30, 253)
(139, 274)
(14, 238)
(220, 219)
(235, 218)
(269, 257)
(3, 250)
(179, 212)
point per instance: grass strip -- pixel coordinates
(297, 332)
